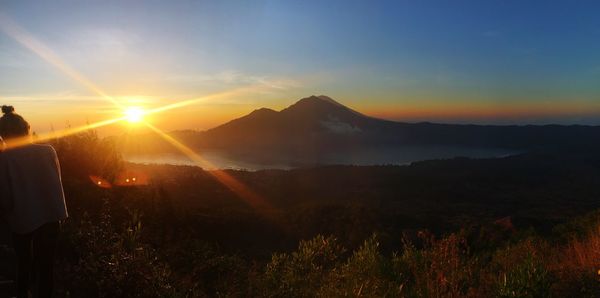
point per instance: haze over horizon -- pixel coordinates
(504, 62)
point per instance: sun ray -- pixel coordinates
(18, 142)
(250, 197)
(31, 43)
(229, 93)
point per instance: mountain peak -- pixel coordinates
(328, 99)
(263, 111)
(316, 101)
(311, 114)
(320, 104)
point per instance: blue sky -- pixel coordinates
(450, 61)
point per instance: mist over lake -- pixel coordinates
(357, 156)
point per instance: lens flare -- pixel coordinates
(256, 201)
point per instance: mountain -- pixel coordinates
(318, 126)
(318, 120)
(315, 114)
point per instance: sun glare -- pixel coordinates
(134, 114)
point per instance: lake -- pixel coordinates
(363, 157)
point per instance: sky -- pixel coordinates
(489, 62)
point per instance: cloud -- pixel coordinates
(73, 97)
(63, 96)
(113, 40)
(99, 49)
(233, 77)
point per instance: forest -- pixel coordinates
(520, 226)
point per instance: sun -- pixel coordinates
(134, 114)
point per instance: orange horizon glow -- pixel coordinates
(476, 112)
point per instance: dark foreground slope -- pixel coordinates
(459, 227)
(444, 195)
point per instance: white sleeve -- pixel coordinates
(6, 197)
(56, 163)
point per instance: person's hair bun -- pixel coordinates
(7, 109)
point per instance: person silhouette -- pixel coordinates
(32, 202)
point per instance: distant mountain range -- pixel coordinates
(320, 126)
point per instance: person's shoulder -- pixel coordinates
(46, 148)
(28, 151)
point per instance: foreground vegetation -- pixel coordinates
(181, 234)
(111, 262)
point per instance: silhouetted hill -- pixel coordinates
(538, 190)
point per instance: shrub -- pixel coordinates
(530, 278)
(365, 273)
(442, 269)
(520, 270)
(578, 266)
(111, 263)
(301, 273)
(85, 154)
(203, 270)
